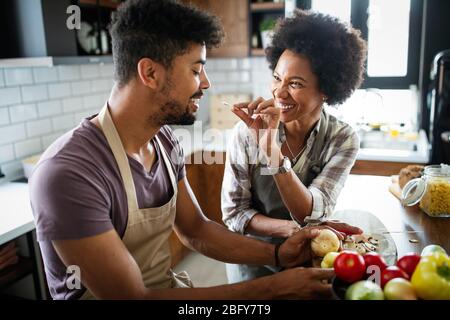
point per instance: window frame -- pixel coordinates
(359, 17)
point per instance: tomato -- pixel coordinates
(392, 272)
(374, 259)
(408, 263)
(349, 266)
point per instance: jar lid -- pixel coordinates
(413, 191)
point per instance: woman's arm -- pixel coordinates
(320, 197)
(236, 198)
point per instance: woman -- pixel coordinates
(289, 158)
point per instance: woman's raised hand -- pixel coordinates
(263, 118)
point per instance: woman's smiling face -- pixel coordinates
(295, 88)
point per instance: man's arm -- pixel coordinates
(109, 271)
(212, 239)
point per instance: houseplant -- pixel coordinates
(266, 29)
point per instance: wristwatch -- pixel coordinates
(285, 167)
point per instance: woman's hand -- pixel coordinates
(262, 118)
(296, 250)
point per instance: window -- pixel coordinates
(341, 9)
(392, 31)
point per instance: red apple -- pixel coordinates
(392, 272)
(408, 263)
(374, 259)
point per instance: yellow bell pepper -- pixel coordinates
(431, 279)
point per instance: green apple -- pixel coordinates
(430, 249)
(399, 289)
(364, 290)
(328, 260)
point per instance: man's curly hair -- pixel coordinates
(336, 51)
(159, 30)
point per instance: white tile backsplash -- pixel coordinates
(4, 116)
(94, 101)
(45, 102)
(34, 93)
(107, 71)
(49, 108)
(67, 73)
(39, 127)
(101, 85)
(80, 87)
(6, 153)
(72, 104)
(22, 112)
(59, 90)
(37, 105)
(45, 74)
(9, 96)
(2, 78)
(27, 148)
(90, 71)
(63, 122)
(224, 64)
(19, 76)
(12, 133)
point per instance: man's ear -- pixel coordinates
(150, 73)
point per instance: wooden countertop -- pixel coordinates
(371, 193)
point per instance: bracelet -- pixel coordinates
(277, 259)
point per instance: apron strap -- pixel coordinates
(113, 138)
(168, 166)
(115, 143)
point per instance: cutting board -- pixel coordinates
(394, 187)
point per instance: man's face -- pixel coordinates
(184, 87)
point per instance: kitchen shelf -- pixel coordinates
(266, 6)
(16, 272)
(102, 3)
(257, 52)
(53, 61)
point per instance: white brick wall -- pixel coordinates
(9, 96)
(37, 105)
(34, 93)
(19, 76)
(22, 112)
(2, 78)
(4, 117)
(42, 75)
(39, 127)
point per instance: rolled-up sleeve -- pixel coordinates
(236, 197)
(326, 187)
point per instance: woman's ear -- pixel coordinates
(150, 73)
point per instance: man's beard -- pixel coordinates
(171, 115)
(173, 112)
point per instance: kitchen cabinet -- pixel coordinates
(262, 13)
(40, 29)
(206, 183)
(379, 168)
(234, 15)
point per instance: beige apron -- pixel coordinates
(148, 230)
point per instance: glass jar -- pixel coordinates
(432, 190)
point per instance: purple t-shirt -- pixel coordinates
(76, 191)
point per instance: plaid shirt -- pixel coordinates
(339, 154)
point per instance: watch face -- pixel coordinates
(287, 163)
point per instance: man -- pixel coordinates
(107, 194)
